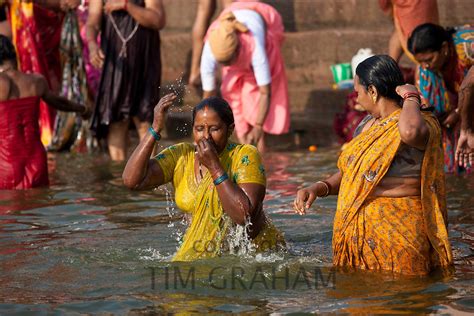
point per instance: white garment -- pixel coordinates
(260, 65)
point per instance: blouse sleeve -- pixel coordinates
(168, 159)
(248, 166)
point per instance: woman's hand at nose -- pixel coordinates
(206, 152)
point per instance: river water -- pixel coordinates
(89, 245)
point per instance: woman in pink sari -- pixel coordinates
(246, 39)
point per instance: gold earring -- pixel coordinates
(374, 99)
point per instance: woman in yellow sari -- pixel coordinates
(220, 184)
(391, 211)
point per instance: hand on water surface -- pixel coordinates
(159, 113)
(304, 199)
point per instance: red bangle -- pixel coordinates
(125, 5)
(411, 94)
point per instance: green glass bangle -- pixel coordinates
(153, 133)
(221, 179)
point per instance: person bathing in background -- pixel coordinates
(246, 40)
(22, 155)
(445, 58)
(129, 56)
(391, 208)
(205, 11)
(220, 184)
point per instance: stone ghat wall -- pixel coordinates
(319, 33)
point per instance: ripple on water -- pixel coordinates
(89, 245)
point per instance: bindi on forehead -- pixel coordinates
(208, 112)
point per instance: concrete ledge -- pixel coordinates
(304, 15)
(312, 116)
(307, 55)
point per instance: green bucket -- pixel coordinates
(341, 72)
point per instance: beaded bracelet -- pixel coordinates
(328, 188)
(154, 133)
(221, 179)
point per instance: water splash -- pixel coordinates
(179, 230)
(179, 88)
(151, 254)
(238, 239)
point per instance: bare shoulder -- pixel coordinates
(5, 87)
(37, 84)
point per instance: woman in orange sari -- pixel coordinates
(391, 211)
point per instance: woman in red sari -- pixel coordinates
(22, 155)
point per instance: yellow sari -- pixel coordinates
(405, 235)
(211, 231)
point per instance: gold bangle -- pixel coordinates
(328, 188)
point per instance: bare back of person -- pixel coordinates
(16, 85)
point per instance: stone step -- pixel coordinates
(303, 15)
(312, 116)
(307, 55)
(319, 33)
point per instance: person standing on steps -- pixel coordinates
(129, 55)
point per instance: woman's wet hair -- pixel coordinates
(7, 50)
(382, 72)
(428, 37)
(218, 105)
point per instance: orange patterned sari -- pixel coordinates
(405, 235)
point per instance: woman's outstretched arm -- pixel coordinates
(306, 196)
(141, 172)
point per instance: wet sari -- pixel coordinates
(211, 231)
(36, 33)
(23, 163)
(405, 235)
(441, 91)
